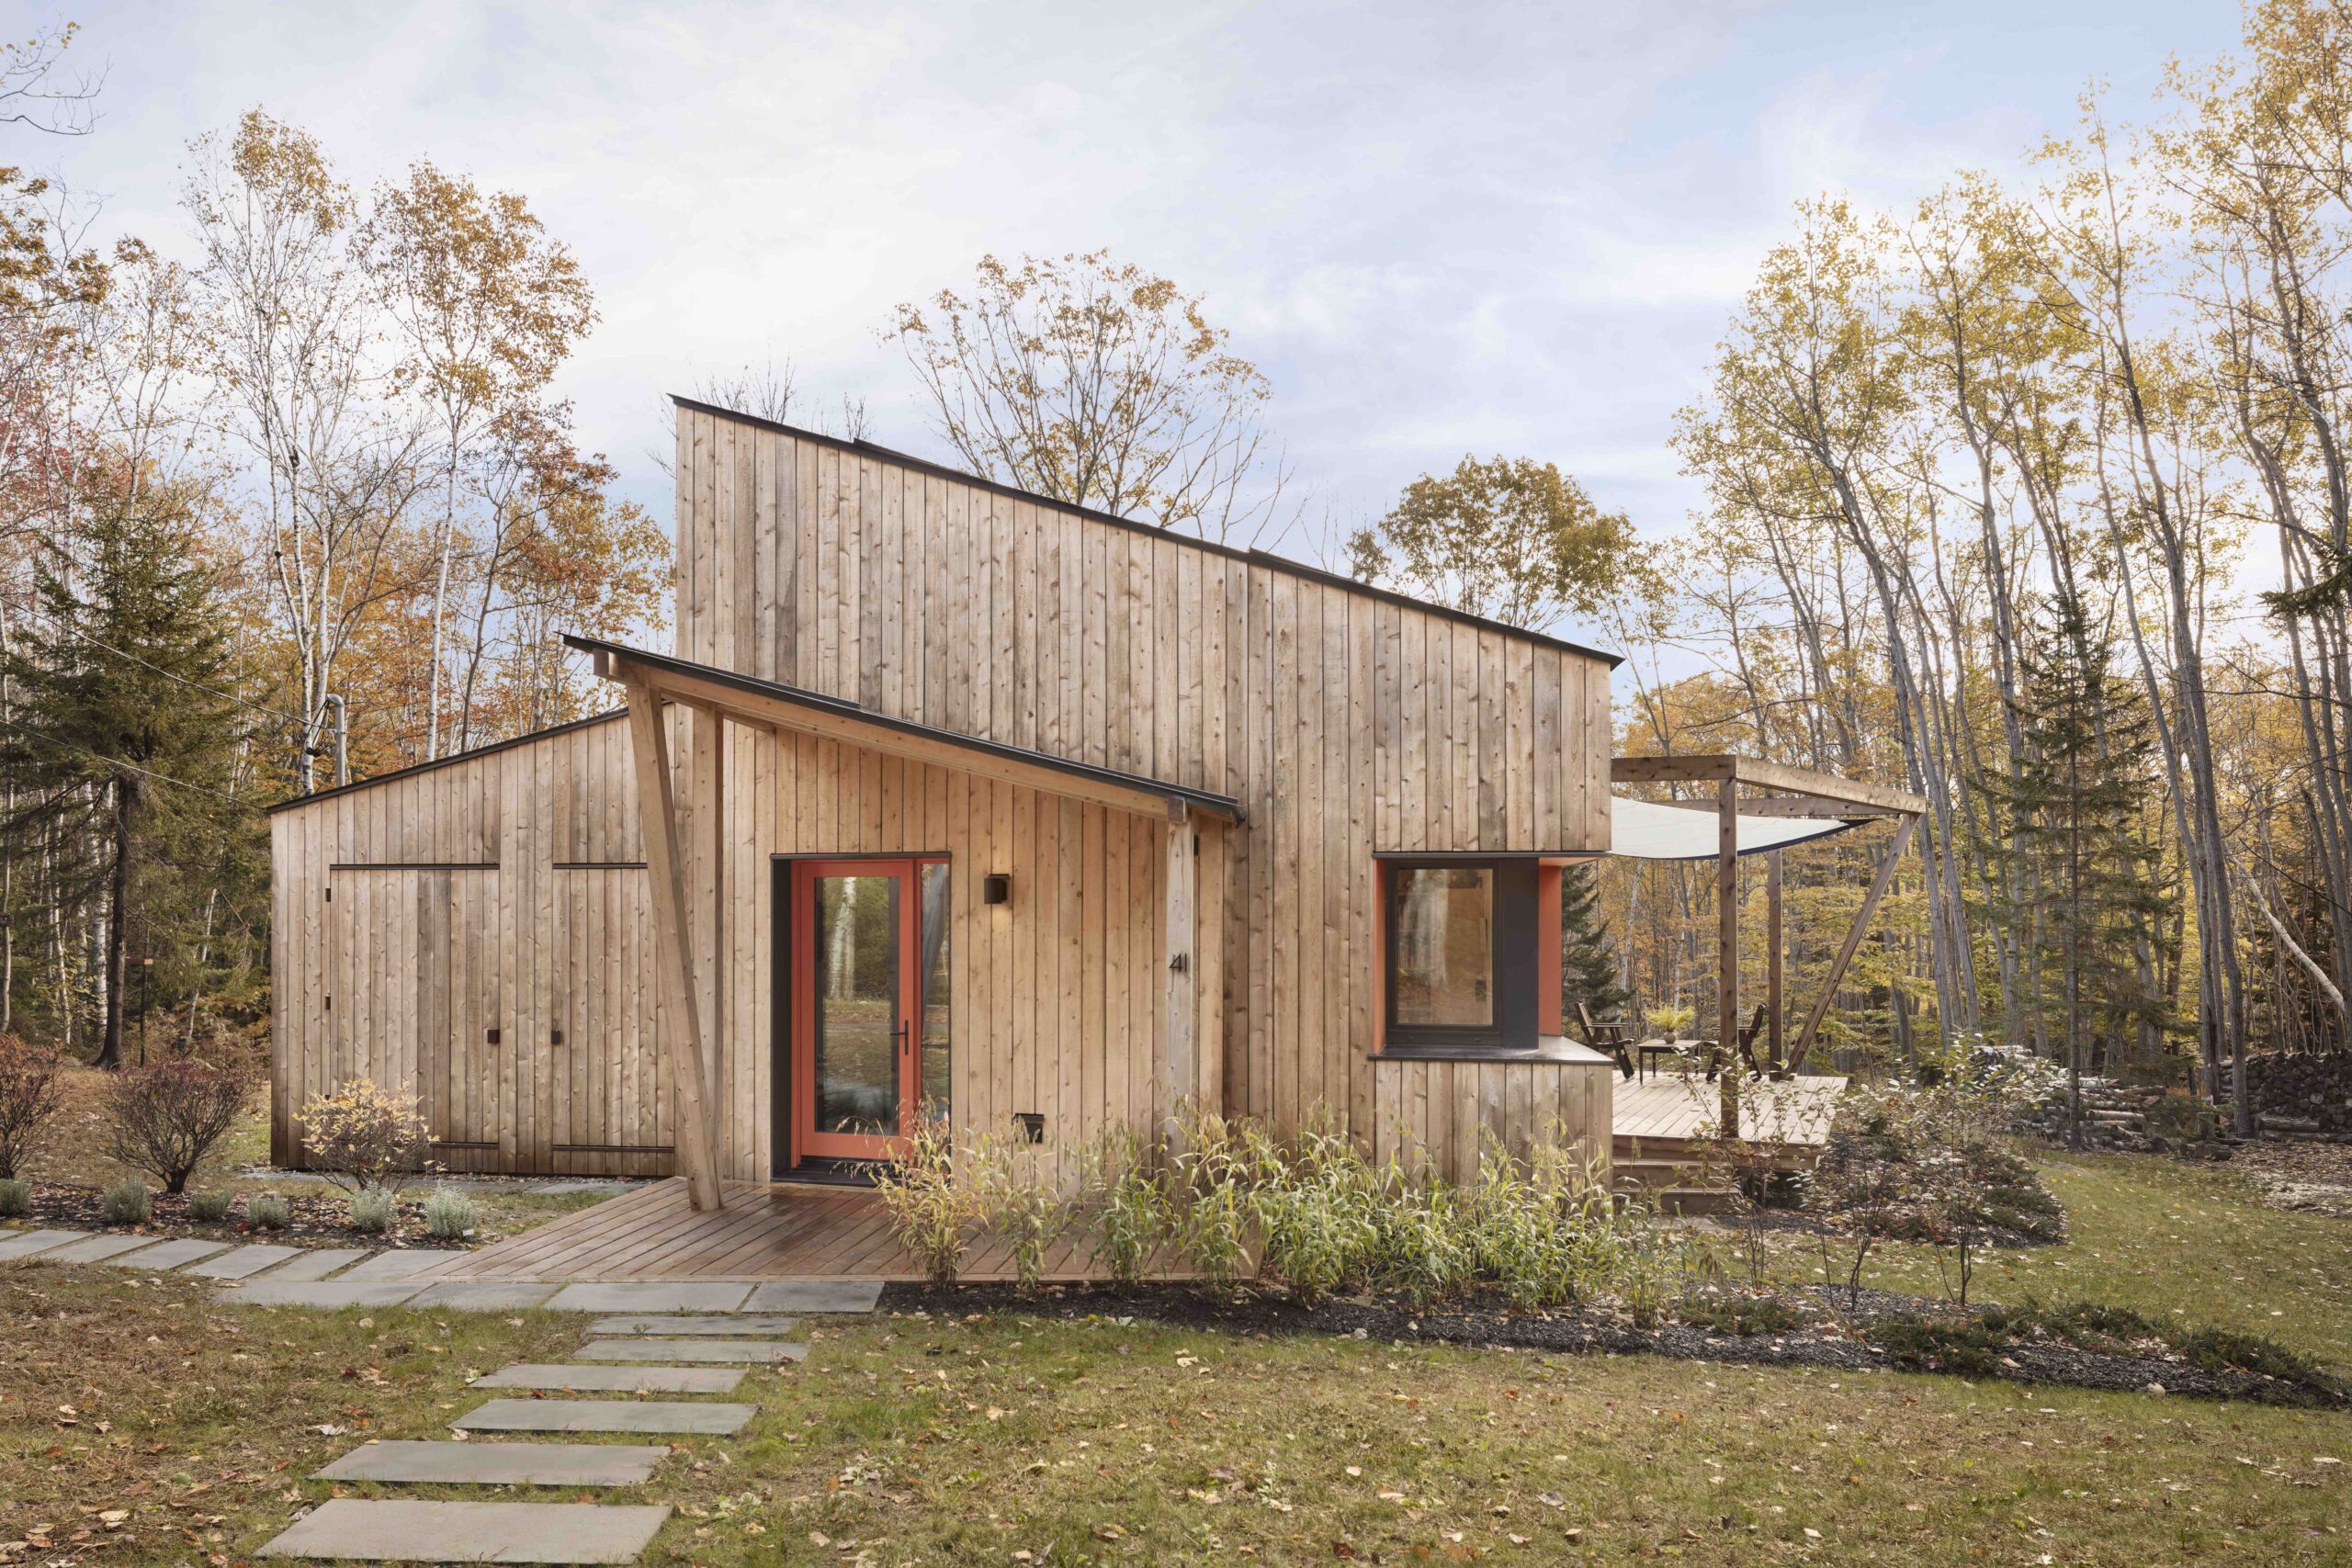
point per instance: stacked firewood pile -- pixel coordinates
(2304, 1094)
(2135, 1117)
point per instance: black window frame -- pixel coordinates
(1467, 1039)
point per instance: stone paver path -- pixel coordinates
(317, 1263)
(329, 1294)
(165, 1257)
(604, 1415)
(754, 1351)
(400, 1264)
(483, 1295)
(648, 1296)
(95, 1249)
(750, 1323)
(615, 1380)
(24, 1243)
(401, 1531)
(816, 1295)
(498, 1464)
(239, 1262)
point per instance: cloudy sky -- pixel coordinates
(1504, 228)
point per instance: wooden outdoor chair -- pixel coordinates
(1744, 1042)
(1611, 1039)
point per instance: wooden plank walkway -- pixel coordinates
(767, 1232)
(1668, 1107)
(762, 1233)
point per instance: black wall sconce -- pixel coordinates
(1033, 1125)
(996, 887)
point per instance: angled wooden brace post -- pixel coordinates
(657, 813)
(1854, 935)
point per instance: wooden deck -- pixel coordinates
(762, 1233)
(1667, 1109)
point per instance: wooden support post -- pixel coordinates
(1727, 951)
(1183, 998)
(683, 1042)
(1773, 1058)
(1854, 940)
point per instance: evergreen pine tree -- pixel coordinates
(2089, 900)
(119, 735)
(1587, 959)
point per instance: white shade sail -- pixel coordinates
(1649, 829)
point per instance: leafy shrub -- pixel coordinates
(1934, 1344)
(212, 1207)
(1020, 1204)
(269, 1211)
(29, 1098)
(127, 1202)
(164, 1119)
(365, 1138)
(929, 1212)
(16, 1198)
(450, 1213)
(372, 1211)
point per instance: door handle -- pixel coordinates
(906, 1046)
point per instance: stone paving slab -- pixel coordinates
(25, 1244)
(649, 1296)
(401, 1531)
(248, 1259)
(95, 1249)
(316, 1263)
(483, 1295)
(816, 1295)
(748, 1322)
(327, 1294)
(498, 1464)
(400, 1263)
(604, 1415)
(615, 1380)
(166, 1255)
(760, 1351)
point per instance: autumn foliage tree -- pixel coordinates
(1099, 383)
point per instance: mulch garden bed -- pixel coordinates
(1823, 1329)
(314, 1219)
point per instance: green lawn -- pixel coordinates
(167, 1428)
(2190, 1241)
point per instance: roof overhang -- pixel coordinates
(749, 698)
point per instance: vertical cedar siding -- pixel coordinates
(1344, 722)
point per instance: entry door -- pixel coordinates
(856, 999)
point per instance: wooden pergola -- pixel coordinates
(1782, 791)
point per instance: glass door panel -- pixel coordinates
(856, 1039)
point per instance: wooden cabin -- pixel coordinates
(948, 792)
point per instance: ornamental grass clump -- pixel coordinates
(450, 1214)
(929, 1212)
(1019, 1202)
(211, 1208)
(127, 1202)
(269, 1213)
(1126, 1204)
(16, 1199)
